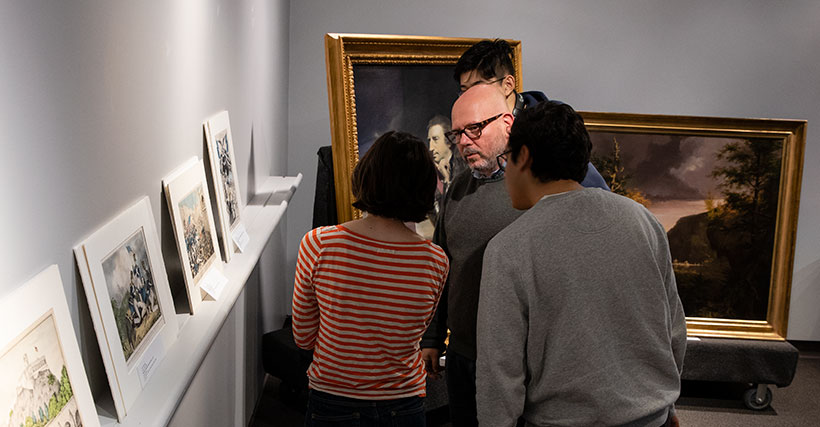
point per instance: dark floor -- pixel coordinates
(701, 403)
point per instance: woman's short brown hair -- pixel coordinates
(396, 178)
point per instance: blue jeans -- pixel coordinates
(325, 409)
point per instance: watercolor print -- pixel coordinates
(227, 178)
(35, 389)
(196, 228)
(132, 290)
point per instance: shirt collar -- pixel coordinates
(499, 173)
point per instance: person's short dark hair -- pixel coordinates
(396, 178)
(556, 138)
(490, 58)
(440, 120)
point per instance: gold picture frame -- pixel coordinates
(748, 160)
(349, 57)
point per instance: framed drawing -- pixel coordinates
(42, 379)
(223, 170)
(727, 192)
(189, 204)
(378, 83)
(127, 289)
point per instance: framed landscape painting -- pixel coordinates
(189, 204)
(127, 289)
(378, 83)
(42, 379)
(727, 193)
(225, 179)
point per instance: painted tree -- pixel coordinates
(742, 228)
(617, 178)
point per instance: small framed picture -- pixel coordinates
(225, 179)
(130, 302)
(189, 204)
(42, 379)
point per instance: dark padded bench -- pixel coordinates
(758, 362)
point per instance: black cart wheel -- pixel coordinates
(755, 401)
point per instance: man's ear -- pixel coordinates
(508, 119)
(508, 84)
(524, 158)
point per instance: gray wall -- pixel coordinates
(729, 58)
(100, 100)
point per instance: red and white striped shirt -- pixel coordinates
(362, 305)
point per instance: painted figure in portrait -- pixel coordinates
(35, 389)
(717, 198)
(448, 159)
(197, 232)
(132, 290)
(226, 174)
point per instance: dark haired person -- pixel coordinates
(579, 319)
(366, 290)
(490, 62)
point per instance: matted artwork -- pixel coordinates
(226, 184)
(127, 289)
(190, 206)
(378, 83)
(42, 379)
(133, 294)
(727, 192)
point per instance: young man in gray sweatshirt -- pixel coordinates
(579, 319)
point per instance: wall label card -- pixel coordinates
(150, 361)
(214, 283)
(241, 237)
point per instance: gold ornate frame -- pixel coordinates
(342, 52)
(792, 133)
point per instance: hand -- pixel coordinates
(673, 421)
(430, 357)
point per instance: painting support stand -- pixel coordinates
(757, 362)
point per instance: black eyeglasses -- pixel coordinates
(502, 159)
(473, 131)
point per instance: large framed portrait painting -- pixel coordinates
(378, 83)
(727, 192)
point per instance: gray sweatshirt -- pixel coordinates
(579, 320)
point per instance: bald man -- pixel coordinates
(475, 208)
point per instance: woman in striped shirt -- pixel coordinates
(366, 290)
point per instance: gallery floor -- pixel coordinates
(700, 404)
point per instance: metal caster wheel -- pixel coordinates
(758, 398)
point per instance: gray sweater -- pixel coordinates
(472, 213)
(579, 319)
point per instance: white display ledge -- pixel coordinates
(164, 391)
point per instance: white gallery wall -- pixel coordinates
(756, 59)
(100, 100)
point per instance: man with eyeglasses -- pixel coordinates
(579, 319)
(489, 62)
(475, 208)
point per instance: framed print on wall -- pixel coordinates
(129, 298)
(727, 192)
(223, 170)
(378, 83)
(189, 204)
(42, 379)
